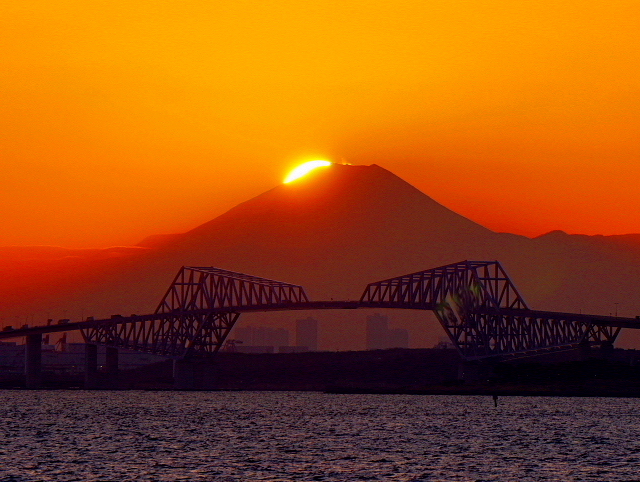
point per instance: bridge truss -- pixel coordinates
(484, 315)
(197, 313)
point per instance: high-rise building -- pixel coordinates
(377, 328)
(398, 338)
(307, 334)
(380, 337)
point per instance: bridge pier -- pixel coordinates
(33, 361)
(112, 360)
(90, 366)
(112, 370)
(606, 349)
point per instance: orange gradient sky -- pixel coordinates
(124, 119)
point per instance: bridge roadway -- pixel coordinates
(118, 320)
(598, 320)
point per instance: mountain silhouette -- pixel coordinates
(333, 232)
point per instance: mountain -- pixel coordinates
(333, 232)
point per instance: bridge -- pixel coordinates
(476, 303)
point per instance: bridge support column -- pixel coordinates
(606, 350)
(112, 360)
(33, 361)
(112, 366)
(90, 366)
(183, 375)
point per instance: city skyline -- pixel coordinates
(329, 240)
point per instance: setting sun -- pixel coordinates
(304, 169)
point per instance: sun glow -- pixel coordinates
(304, 169)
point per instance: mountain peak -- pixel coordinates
(556, 233)
(357, 198)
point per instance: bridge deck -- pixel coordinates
(117, 319)
(612, 321)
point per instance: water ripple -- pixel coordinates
(262, 436)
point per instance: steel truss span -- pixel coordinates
(475, 301)
(484, 315)
(177, 336)
(197, 313)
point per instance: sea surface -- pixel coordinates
(301, 436)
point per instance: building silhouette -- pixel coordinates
(380, 337)
(260, 339)
(69, 358)
(307, 334)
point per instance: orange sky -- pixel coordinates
(123, 119)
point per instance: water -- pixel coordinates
(267, 436)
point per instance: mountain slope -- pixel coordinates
(343, 221)
(332, 232)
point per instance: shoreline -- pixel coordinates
(394, 371)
